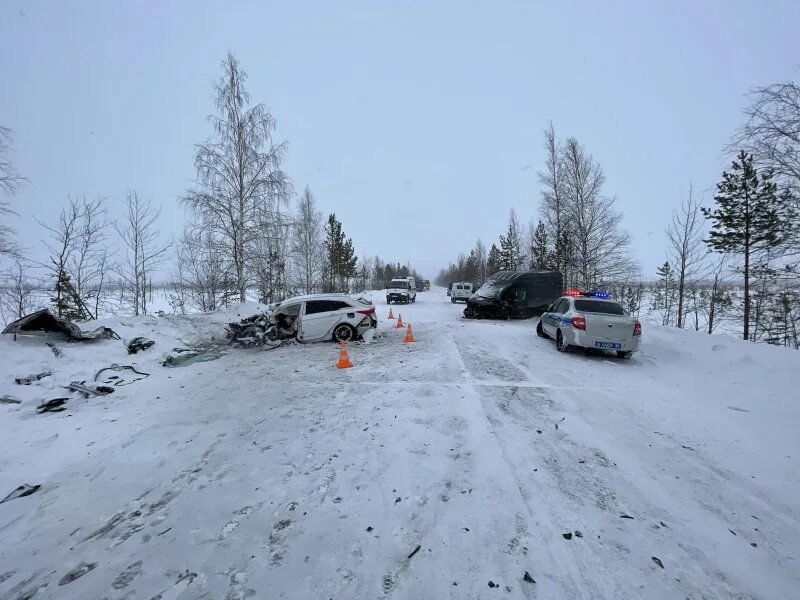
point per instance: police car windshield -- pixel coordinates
(402, 285)
(599, 306)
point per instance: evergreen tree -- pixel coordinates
(340, 256)
(665, 292)
(540, 255)
(510, 245)
(493, 262)
(750, 218)
(66, 301)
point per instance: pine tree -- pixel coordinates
(66, 301)
(510, 245)
(750, 218)
(540, 255)
(340, 256)
(665, 291)
(493, 262)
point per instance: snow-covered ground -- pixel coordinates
(271, 474)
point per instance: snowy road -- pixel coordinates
(274, 475)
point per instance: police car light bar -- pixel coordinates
(574, 293)
(601, 295)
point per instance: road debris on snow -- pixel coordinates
(54, 405)
(24, 490)
(31, 378)
(119, 368)
(657, 560)
(78, 572)
(139, 343)
(527, 578)
(44, 321)
(86, 391)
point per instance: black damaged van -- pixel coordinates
(515, 295)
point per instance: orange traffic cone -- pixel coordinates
(344, 359)
(409, 335)
(391, 316)
(399, 322)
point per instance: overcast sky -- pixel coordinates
(418, 123)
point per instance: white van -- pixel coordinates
(461, 292)
(401, 289)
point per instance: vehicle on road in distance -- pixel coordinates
(310, 318)
(401, 289)
(420, 286)
(426, 285)
(590, 320)
(515, 295)
(449, 288)
(461, 292)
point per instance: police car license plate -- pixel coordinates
(611, 345)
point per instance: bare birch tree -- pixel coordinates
(771, 132)
(202, 277)
(600, 245)
(685, 249)
(238, 172)
(61, 245)
(306, 244)
(17, 296)
(10, 183)
(552, 205)
(88, 264)
(143, 249)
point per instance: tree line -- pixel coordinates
(736, 260)
(246, 235)
(740, 256)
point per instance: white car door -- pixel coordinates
(319, 318)
(552, 318)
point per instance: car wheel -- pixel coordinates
(561, 346)
(343, 333)
(624, 355)
(453, 300)
(540, 330)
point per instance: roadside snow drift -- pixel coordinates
(476, 462)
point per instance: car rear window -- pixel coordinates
(599, 306)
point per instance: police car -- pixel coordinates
(590, 320)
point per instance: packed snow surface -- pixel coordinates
(271, 474)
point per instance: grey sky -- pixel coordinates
(418, 123)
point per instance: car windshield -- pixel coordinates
(402, 285)
(599, 306)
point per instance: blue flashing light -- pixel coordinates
(600, 295)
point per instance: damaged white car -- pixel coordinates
(312, 318)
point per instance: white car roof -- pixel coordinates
(307, 297)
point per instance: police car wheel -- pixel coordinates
(560, 345)
(539, 331)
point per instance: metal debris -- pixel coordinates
(24, 490)
(139, 343)
(54, 405)
(31, 378)
(97, 390)
(527, 578)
